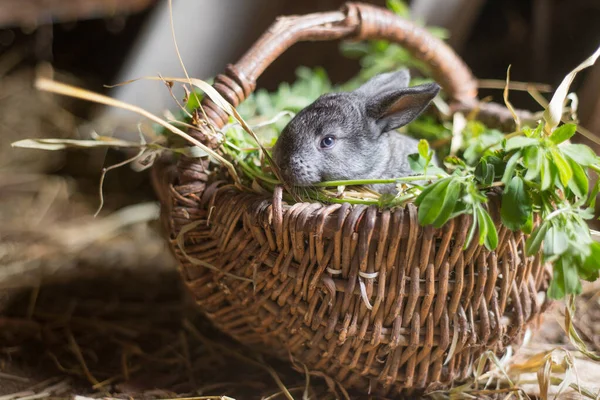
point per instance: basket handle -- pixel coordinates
(357, 21)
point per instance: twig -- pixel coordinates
(10, 377)
(103, 176)
(519, 86)
(77, 352)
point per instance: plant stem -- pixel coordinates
(554, 213)
(506, 137)
(402, 199)
(349, 201)
(377, 181)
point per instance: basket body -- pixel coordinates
(366, 296)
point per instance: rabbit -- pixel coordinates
(351, 135)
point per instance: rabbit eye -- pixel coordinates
(327, 142)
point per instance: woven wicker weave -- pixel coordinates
(368, 297)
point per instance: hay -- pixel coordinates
(136, 336)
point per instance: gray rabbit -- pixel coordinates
(352, 135)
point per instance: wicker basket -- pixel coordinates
(365, 296)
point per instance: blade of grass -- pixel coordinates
(172, 23)
(62, 144)
(508, 103)
(554, 111)
(537, 96)
(49, 85)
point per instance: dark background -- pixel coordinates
(505, 32)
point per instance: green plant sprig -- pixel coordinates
(544, 179)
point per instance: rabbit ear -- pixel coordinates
(384, 83)
(395, 108)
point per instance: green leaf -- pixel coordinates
(491, 238)
(510, 167)
(591, 265)
(534, 241)
(556, 242)
(451, 197)
(481, 170)
(594, 195)
(498, 165)
(419, 165)
(579, 185)
(423, 148)
(533, 158)
(520, 142)
(431, 203)
(479, 139)
(563, 132)
(490, 175)
(471, 230)
(460, 209)
(194, 100)
(557, 286)
(528, 227)
(516, 205)
(427, 127)
(533, 133)
(572, 283)
(424, 193)
(485, 172)
(454, 161)
(565, 280)
(399, 8)
(586, 213)
(565, 173)
(581, 153)
(548, 173)
(482, 222)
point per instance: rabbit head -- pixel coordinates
(347, 135)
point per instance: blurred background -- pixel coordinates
(64, 273)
